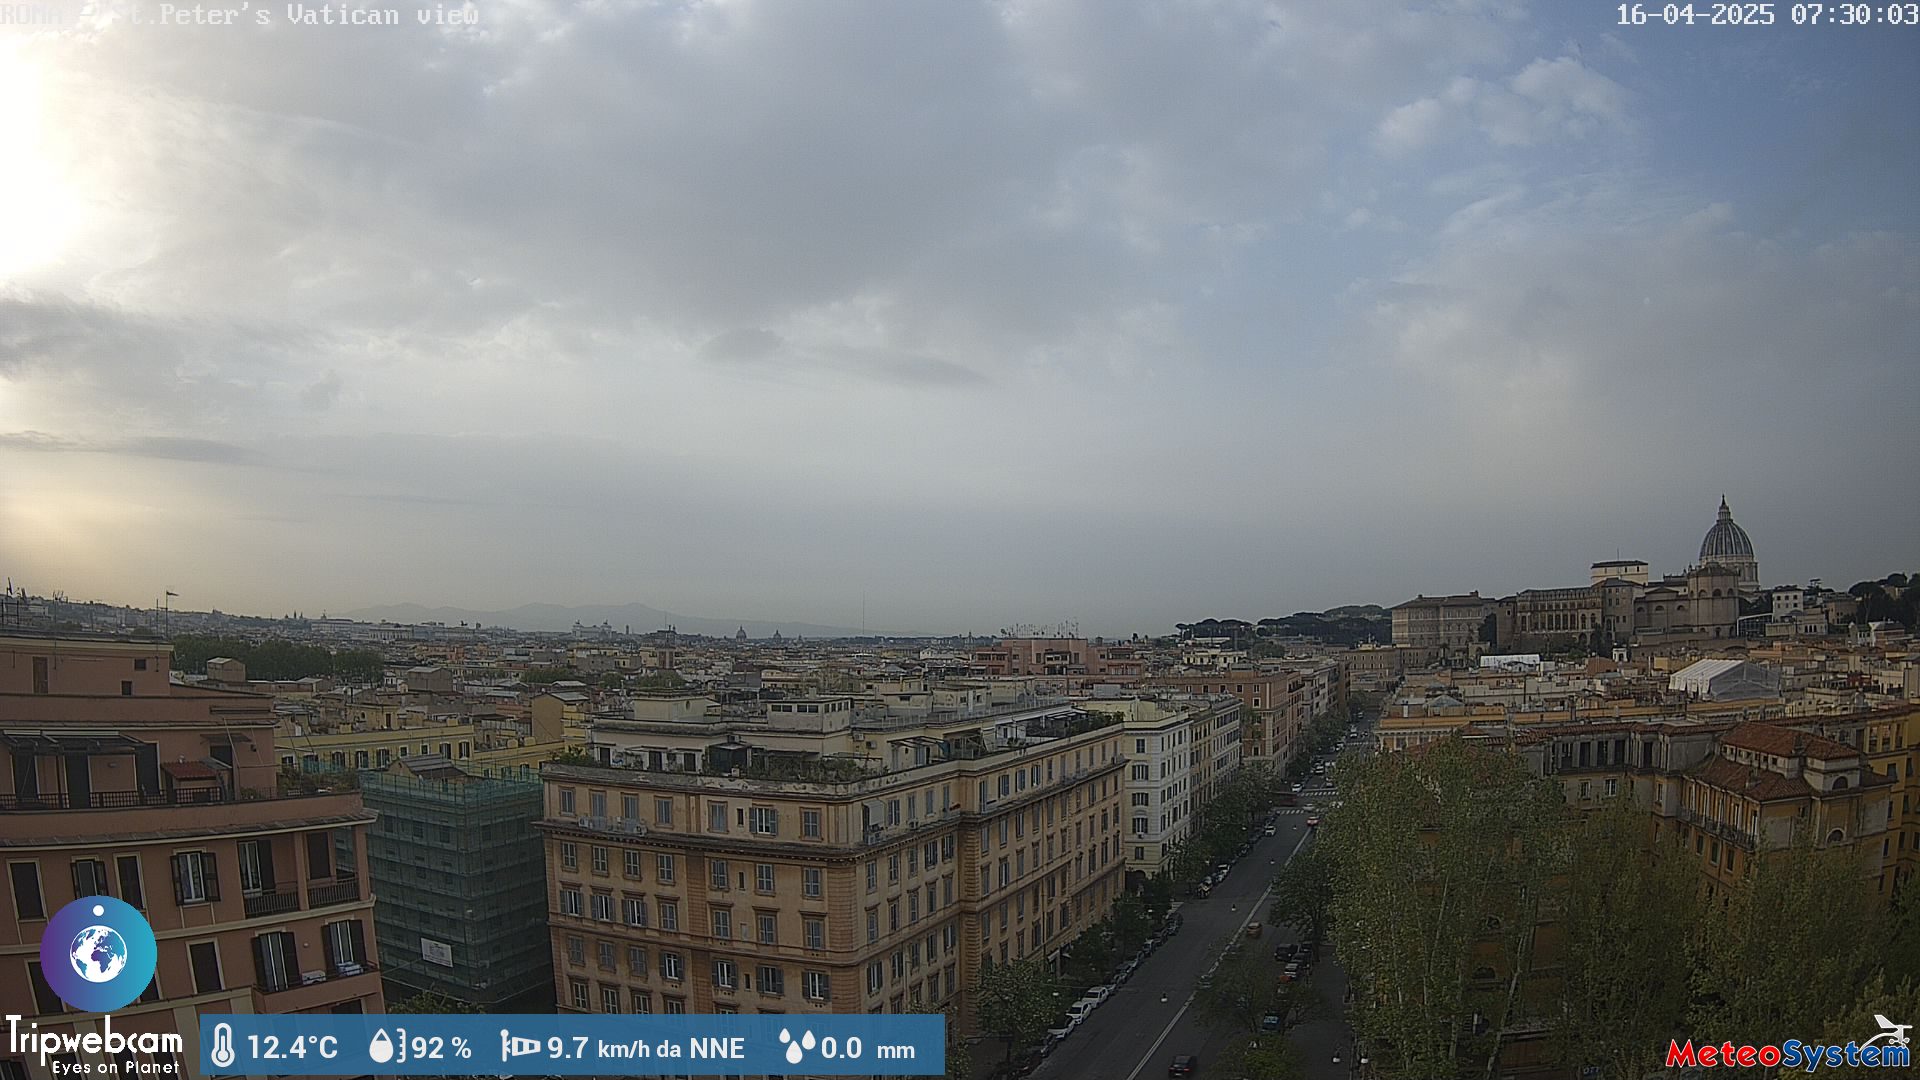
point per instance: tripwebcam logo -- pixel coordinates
(98, 954)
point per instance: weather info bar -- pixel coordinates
(548, 1045)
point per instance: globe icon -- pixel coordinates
(98, 953)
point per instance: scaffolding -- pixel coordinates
(460, 873)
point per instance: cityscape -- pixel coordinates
(994, 539)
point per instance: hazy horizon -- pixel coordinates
(986, 313)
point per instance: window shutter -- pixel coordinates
(268, 882)
(210, 866)
(357, 934)
(179, 879)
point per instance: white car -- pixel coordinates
(1098, 995)
(1080, 1010)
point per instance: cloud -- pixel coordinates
(160, 447)
(1544, 101)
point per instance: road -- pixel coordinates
(1149, 1019)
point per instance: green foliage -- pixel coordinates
(278, 659)
(1439, 863)
(1245, 988)
(573, 755)
(664, 680)
(544, 676)
(1629, 906)
(1015, 1002)
(1303, 895)
(1800, 932)
(430, 1001)
(1856, 1022)
(959, 1054)
(1270, 1058)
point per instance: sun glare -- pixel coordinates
(39, 209)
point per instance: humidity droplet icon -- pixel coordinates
(380, 1048)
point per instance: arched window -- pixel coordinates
(1840, 783)
(1483, 973)
(1835, 836)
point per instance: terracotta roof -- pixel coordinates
(1786, 742)
(190, 770)
(1749, 781)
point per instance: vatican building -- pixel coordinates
(1727, 545)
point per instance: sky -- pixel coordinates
(974, 313)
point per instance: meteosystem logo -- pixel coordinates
(98, 954)
(1887, 1050)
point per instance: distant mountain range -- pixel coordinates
(639, 617)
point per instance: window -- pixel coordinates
(814, 932)
(768, 925)
(569, 855)
(876, 977)
(814, 985)
(630, 808)
(642, 1001)
(773, 981)
(276, 960)
(812, 882)
(577, 992)
(576, 950)
(722, 923)
(669, 915)
(637, 962)
(716, 817)
(603, 950)
(609, 999)
(873, 875)
(196, 878)
(599, 860)
(566, 800)
(662, 815)
(346, 945)
(893, 868)
(570, 903)
(810, 824)
(596, 800)
(630, 860)
(204, 957)
(673, 1006)
(893, 916)
(132, 887)
(633, 910)
(764, 820)
(27, 901)
(717, 871)
(663, 869)
(873, 925)
(602, 905)
(670, 966)
(44, 999)
(725, 975)
(763, 878)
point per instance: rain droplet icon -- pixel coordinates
(807, 1040)
(380, 1049)
(794, 1054)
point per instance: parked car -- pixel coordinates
(1183, 1065)
(1097, 994)
(1270, 1022)
(1283, 953)
(1055, 1034)
(1292, 971)
(1203, 889)
(1253, 929)
(1080, 1010)
(1313, 823)
(1272, 829)
(1220, 872)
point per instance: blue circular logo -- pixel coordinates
(98, 954)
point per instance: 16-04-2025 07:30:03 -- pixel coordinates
(1769, 14)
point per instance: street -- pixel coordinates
(1138, 1030)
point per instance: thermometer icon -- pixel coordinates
(222, 1045)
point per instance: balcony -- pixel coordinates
(1717, 828)
(337, 892)
(315, 989)
(113, 800)
(271, 903)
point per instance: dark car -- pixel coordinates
(1284, 953)
(1270, 1022)
(1183, 1065)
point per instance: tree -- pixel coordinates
(1439, 863)
(1628, 909)
(1303, 895)
(1800, 931)
(1270, 1058)
(1015, 1002)
(959, 1054)
(1243, 991)
(545, 675)
(1859, 1021)
(664, 680)
(432, 1001)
